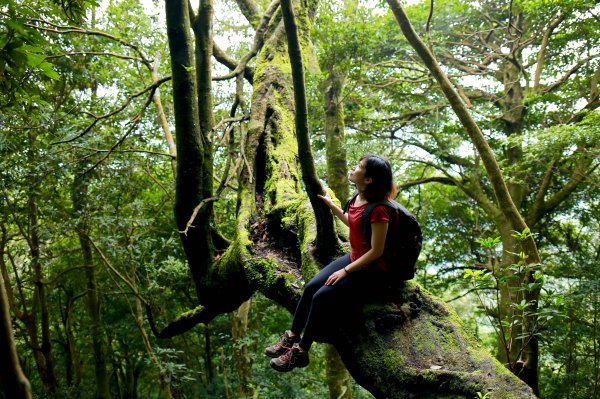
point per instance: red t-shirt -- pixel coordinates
(358, 242)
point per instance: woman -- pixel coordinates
(337, 286)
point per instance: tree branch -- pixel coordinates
(257, 44)
(230, 63)
(583, 169)
(183, 323)
(251, 11)
(128, 101)
(543, 46)
(568, 74)
(326, 235)
(434, 179)
(63, 29)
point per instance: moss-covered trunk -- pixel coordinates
(340, 385)
(335, 146)
(409, 344)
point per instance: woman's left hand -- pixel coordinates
(336, 277)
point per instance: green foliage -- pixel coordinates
(54, 85)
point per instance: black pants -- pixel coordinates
(322, 307)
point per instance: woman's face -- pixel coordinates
(357, 174)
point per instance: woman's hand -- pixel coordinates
(326, 199)
(336, 277)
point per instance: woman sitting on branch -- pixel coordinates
(349, 280)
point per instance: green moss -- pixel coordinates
(190, 313)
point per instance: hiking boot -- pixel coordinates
(282, 346)
(294, 357)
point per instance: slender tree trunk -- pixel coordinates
(241, 359)
(208, 360)
(335, 148)
(162, 119)
(529, 372)
(338, 379)
(13, 382)
(79, 196)
(224, 371)
(46, 363)
(327, 245)
(73, 363)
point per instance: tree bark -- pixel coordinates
(327, 245)
(336, 375)
(338, 380)
(335, 148)
(241, 359)
(409, 344)
(13, 382)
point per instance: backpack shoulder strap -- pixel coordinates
(366, 215)
(350, 202)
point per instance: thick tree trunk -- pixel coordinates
(193, 119)
(191, 146)
(409, 344)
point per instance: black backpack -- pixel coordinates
(403, 241)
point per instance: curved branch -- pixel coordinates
(583, 169)
(230, 63)
(182, 324)
(568, 74)
(251, 11)
(434, 179)
(103, 54)
(63, 29)
(259, 39)
(543, 46)
(128, 101)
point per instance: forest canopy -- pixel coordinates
(159, 167)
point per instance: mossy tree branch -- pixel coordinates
(327, 245)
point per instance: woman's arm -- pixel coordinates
(378, 233)
(337, 211)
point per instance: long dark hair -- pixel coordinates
(382, 185)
